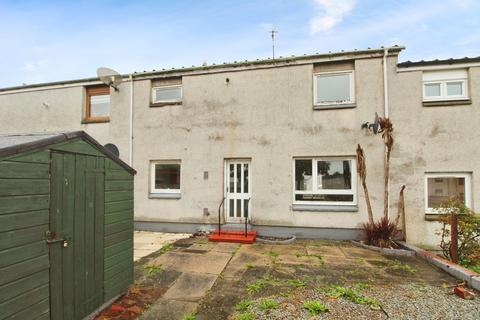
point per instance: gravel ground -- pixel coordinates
(413, 301)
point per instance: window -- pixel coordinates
(334, 88)
(443, 186)
(97, 108)
(325, 181)
(165, 177)
(167, 94)
(445, 85)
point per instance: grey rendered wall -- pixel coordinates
(431, 139)
(64, 110)
(265, 115)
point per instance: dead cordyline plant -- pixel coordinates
(362, 173)
(386, 129)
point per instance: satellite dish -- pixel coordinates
(112, 148)
(110, 77)
(374, 127)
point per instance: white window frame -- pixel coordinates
(352, 88)
(154, 89)
(314, 160)
(445, 77)
(153, 190)
(468, 188)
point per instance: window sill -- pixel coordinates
(324, 208)
(434, 216)
(164, 104)
(96, 120)
(164, 195)
(334, 106)
(446, 103)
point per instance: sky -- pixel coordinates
(43, 41)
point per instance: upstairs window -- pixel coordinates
(325, 181)
(97, 108)
(334, 88)
(167, 94)
(445, 85)
(440, 187)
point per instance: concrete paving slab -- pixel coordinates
(289, 249)
(146, 242)
(325, 251)
(225, 247)
(351, 252)
(210, 262)
(296, 260)
(190, 287)
(169, 310)
(242, 261)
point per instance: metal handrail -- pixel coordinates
(219, 208)
(245, 214)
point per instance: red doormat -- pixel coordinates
(235, 236)
(132, 304)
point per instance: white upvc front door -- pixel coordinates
(238, 190)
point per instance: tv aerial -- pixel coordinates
(109, 76)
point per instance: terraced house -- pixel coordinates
(275, 139)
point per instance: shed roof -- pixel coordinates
(11, 144)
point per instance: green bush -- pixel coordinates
(468, 232)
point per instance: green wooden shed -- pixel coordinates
(66, 226)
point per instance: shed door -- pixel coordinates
(76, 235)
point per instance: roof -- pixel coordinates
(229, 66)
(11, 144)
(437, 62)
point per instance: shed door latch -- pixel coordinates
(51, 239)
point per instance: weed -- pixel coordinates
(314, 307)
(243, 305)
(350, 294)
(151, 269)
(268, 304)
(244, 316)
(255, 287)
(363, 286)
(190, 316)
(273, 255)
(249, 265)
(315, 255)
(398, 265)
(296, 283)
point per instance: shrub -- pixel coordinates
(268, 304)
(468, 232)
(243, 305)
(314, 307)
(380, 233)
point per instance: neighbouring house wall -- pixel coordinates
(63, 109)
(431, 139)
(24, 218)
(266, 115)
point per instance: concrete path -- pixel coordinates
(146, 242)
(199, 264)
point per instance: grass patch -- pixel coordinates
(314, 307)
(363, 286)
(296, 283)
(268, 304)
(255, 287)
(190, 316)
(244, 316)
(273, 255)
(350, 294)
(151, 269)
(243, 305)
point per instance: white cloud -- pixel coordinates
(331, 14)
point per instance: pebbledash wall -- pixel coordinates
(263, 111)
